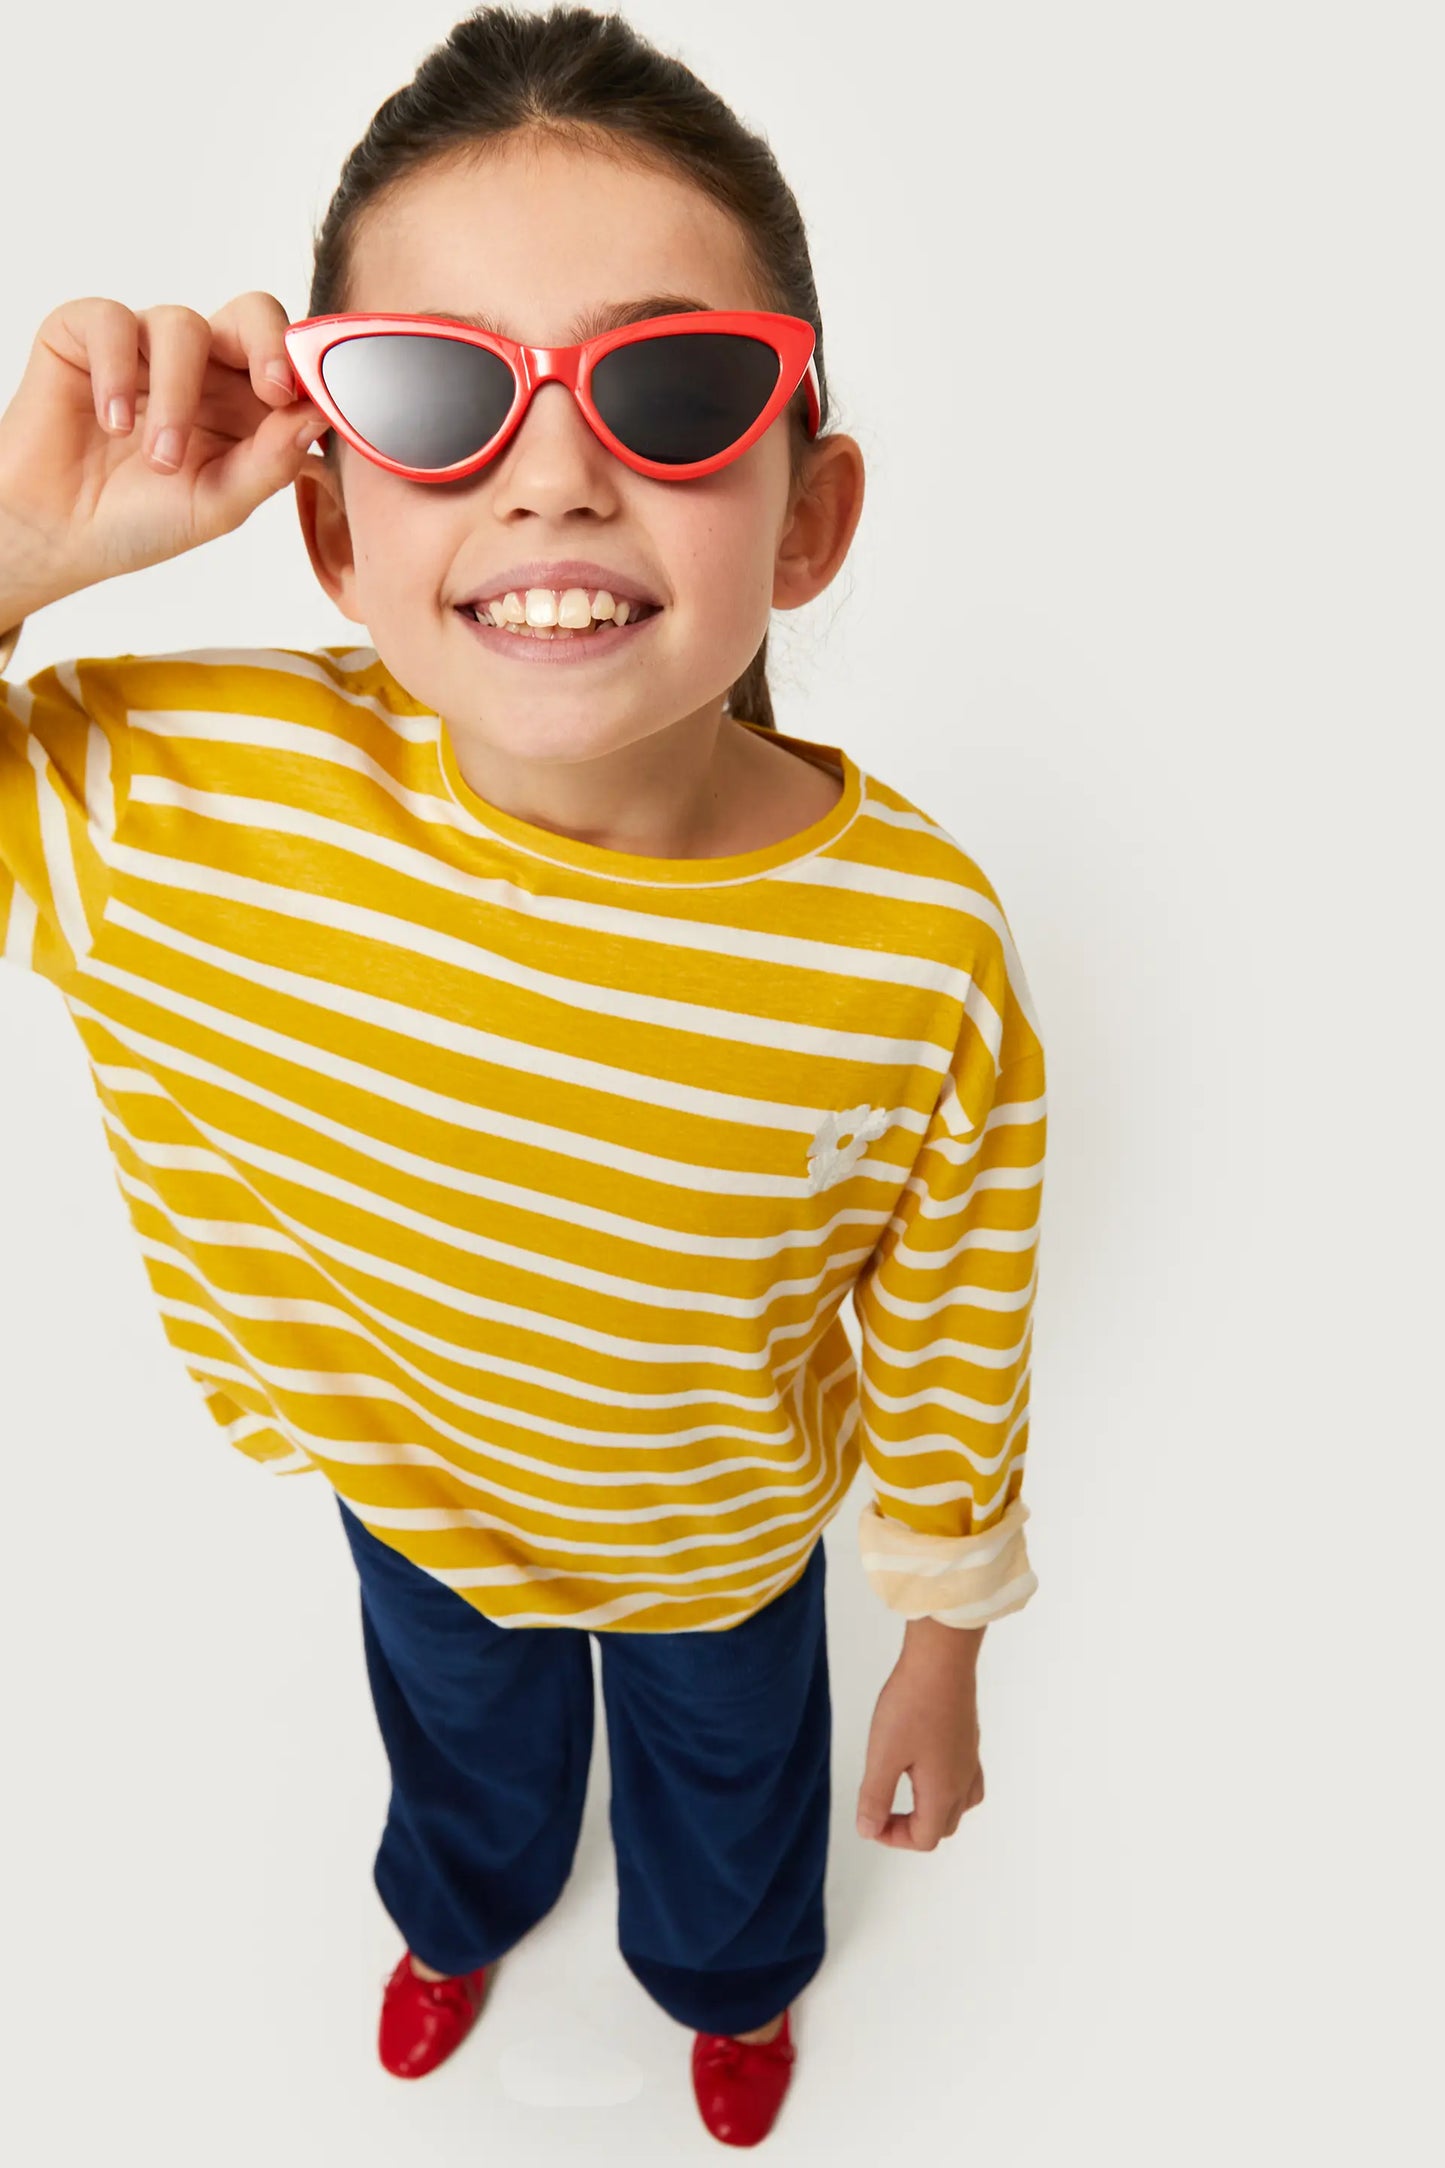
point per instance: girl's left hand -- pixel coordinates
(926, 1723)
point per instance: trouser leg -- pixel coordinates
(488, 1733)
(720, 1749)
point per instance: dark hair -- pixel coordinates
(585, 79)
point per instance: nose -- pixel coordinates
(554, 462)
(553, 412)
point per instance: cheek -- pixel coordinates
(724, 530)
(400, 547)
(719, 555)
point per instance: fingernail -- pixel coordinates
(167, 452)
(117, 414)
(278, 372)
(314, 426)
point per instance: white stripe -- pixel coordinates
(452, 1236)
(237, 1153)
(875, 1291)
(311, 743)
(970, 1351)
(20, 928)
(98, 791)
(275, 1309)
(581, 1388)
(544, 1203)
(1010, 1597)
(927, 1564)
(59, 858)
(432, 1029)
(538, 1323)
(898, 885)
(612, 922)
(938, 1494)
(624, 1606)
(397, 1453)
(391, 1091)
(361, 1385)
(993, 1241)
(941, 1397)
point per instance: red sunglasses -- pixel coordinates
(673, 396)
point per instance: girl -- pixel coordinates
(514, 1048)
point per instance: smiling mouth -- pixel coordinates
(640, 614)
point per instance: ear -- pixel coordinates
(825, 516)
(327, 533)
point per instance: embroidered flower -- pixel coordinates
(840, 1141)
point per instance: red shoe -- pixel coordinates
(740, 2084)
(423, 2021)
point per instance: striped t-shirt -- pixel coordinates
(517, 1184)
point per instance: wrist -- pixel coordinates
(932, 1637)
(30, 579)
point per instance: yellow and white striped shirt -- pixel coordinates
(517, 1184)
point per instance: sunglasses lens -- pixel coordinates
(684, 396)
(427, 403)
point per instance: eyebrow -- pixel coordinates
(607, 316)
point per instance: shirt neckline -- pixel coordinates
(581, 857)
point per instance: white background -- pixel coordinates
(1135, 310)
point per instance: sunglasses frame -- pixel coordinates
(791, 338)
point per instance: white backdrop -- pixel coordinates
(1136, 312)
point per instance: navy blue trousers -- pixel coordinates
(720, 1751)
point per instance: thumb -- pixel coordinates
(228, 490)
(875, 1800)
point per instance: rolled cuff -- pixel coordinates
(959, 1580)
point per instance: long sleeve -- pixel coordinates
(64, 784)
(945, 1308)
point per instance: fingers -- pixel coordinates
(98, 336)
(250, 333)
(228, 490)
(905, 1833)
(176, 343)
(924, 1828)
(247, 336)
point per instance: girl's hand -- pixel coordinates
(926, 1723)
(81, 500)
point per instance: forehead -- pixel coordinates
(601, 316)
(550, 245)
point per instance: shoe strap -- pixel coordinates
(454, 1991)
(723, 2052)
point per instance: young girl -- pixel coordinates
(513, 1048)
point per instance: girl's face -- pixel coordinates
(538, 237)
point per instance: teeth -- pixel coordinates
(544, 608)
